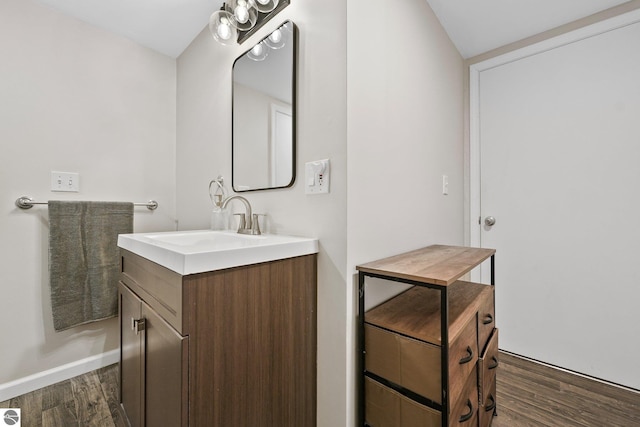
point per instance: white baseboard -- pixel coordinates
(61, 373)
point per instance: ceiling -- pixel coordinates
(476, 26)
(169, 26)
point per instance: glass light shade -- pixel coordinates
(259, 52)
(277, 39)
(243, 14)
(287, 28)
(221, 27)
(264, 5)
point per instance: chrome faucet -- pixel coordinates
(248, 221)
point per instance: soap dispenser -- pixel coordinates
(219, 215)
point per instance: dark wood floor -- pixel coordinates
(535, 395)
(529, 395)
(83, 401)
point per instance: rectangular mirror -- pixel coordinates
(264, 113)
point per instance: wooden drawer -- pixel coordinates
(415, 365)
(465, 410)
(386, 407)
(158, 286)
(488, 406)
(486, 319)
(487, 366)
(463, 355)
(410, 363)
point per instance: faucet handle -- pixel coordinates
(255, 224)
(243, 221)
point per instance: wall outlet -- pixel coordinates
(317, 177)
(65, 181)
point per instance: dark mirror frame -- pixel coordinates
(294, 78)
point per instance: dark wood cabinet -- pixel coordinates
(237, 345)
(131, 357)
(153, 365)
(429, 355)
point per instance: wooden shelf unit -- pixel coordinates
(429, 353)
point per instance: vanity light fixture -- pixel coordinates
(244, 15)
(221, 27)
(264, 6)
(238, 19)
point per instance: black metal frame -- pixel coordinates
(294, 108)
(444, 408)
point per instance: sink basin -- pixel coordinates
(190, 252)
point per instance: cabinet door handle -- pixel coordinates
(467, 416)
(494, 365)
(487, 319)
(138, 325)
(492, 405)
(467, 358)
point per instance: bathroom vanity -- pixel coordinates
(218, 330)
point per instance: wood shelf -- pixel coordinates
(416, 312)
(438, 264)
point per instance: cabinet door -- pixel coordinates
(131, 368)
(166, 358)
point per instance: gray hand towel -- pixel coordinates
(84, 259)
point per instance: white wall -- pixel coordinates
(405, 131)
(72, 98)
(204, 151)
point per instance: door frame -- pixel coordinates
(475, 70)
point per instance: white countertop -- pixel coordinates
(198, 251)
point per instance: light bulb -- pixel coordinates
(258, 53)
(224, 30)
(257, 49)
(264, 6)
(276, 36)
(221, 27)
(241, 13)
(276, 39)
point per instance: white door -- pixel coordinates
(557, 164)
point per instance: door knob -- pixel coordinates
(489, 221)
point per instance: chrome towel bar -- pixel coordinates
(26, 202)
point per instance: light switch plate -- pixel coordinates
(65, 181)
(317, 177)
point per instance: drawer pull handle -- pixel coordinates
(488, 318)
(467, 358)
(492, 405)
(467, 416)
(494, 365)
